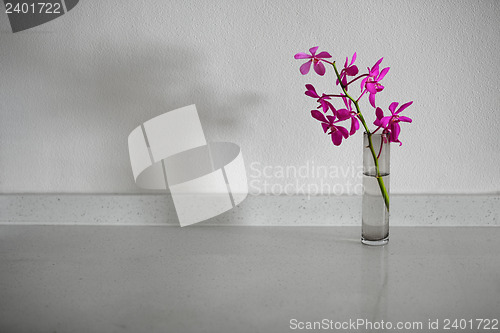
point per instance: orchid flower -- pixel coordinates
(348, 113)
(325, 105)
(371, 85)
(391, 123)
(315, 59)
(349, 70)
(328, 123)
(372, 82)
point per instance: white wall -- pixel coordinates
(72, 90)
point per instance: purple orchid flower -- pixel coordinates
(315, 58)
(325, 105)
(349, 70)
(344, 114)
(328, 123)
(390, 123)
(372, 81)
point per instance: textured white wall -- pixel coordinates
(72, 90)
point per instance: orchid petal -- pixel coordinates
(343, 114)
(347, 103)
(383, 73)
(378, 62)
(336, 137)
(353, 58)
(380, 115)
(323, 55)
(325, 127)
(324, 105)
(395, 130)
(311, 91)
(384, 122)
(318, 116)
(345, 63)
(304, 69)
(344, 82)
(328, 106)
(393, 107)
(302, 55)
(313, 50)
(405, 119)
(371, 98)
(404, 106)
(311, 94)
(331, 119)
(319, 68)
(363, 83)
(371, 87)
(310, 87)
(344, 131)
(352, 70)
(354, 125)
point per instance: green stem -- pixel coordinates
(370, 143)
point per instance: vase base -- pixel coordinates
(375, 242)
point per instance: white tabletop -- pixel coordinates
(243, 279)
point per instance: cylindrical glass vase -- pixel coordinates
(375, 210)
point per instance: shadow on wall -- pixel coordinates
(104, 90)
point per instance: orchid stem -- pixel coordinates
(370, 143)
(359, 77)
(335, 95)
(376, 130)
(381, 145)
(364, 90)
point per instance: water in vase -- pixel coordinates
(375, 228)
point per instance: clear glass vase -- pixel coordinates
(376, 163)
